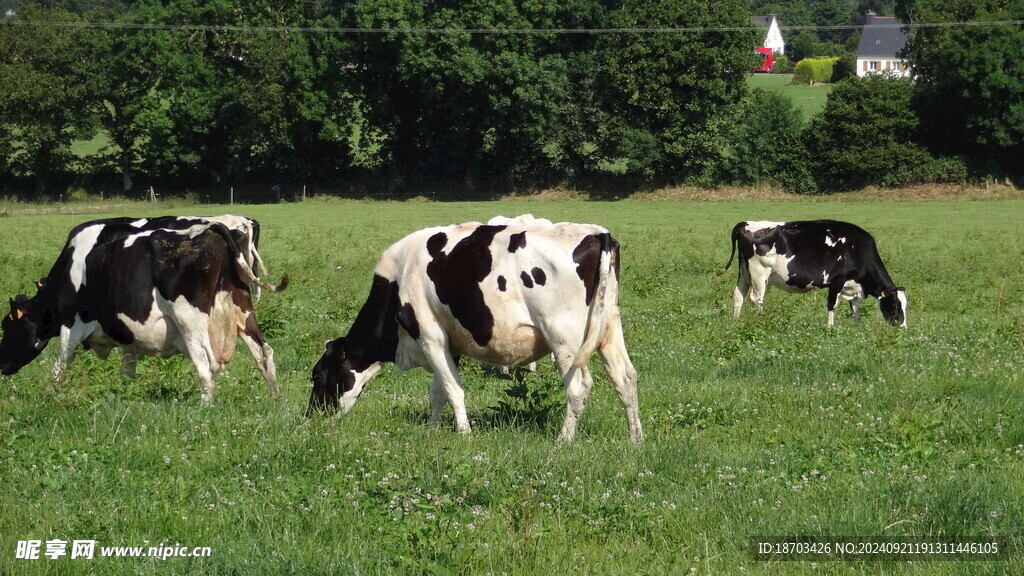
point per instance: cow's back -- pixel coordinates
(494, 286)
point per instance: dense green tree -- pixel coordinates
(672, 91)
(970, 81)
(803, 45)
(831, 16)
(127, 69)
(866, 135)
(44, 94)
(764, 144)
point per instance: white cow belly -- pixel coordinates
(852, 291)
(156, 336)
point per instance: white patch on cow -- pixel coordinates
(904, 305)
(829, 242)
(851, 290)
(129, 241)
(191, 232)
(842, 240)
(409, 353)
(523, 221)
(348, 399)
(155, 336)
(824, 278)
(759, 225)
(81, 245)
(139, 223)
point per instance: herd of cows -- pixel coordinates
(507, 293)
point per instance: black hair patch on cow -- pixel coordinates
(527, 281)
(457, 277)
(587, 256)
(373, 336)
(436, 243)
(539, 277)
(407, 319)
(517, 241)
(502, 286)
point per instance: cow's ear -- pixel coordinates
(16, 311)
(332, 345)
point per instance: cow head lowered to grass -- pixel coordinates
(505, 293)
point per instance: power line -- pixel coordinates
(471, 31)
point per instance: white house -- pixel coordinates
(773, 34)
(880, 44)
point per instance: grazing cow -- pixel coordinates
(504, 294)
(803, 256)
(125, 283)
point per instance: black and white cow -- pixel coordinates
(246, 232)
(803, 256)
(505, 294)
(129, 284)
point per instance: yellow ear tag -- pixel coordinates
(39, 284)
(882, 295)
(10, 316)
(20, 314)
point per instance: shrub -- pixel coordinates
(867, 134)
(764, 144)
(814, 70)
(782, 65)
(845, 67)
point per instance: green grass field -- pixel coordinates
(770, 426)
(809, 99)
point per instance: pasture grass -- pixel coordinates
(771, 425)
(808, 99)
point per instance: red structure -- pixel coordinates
(768, 62)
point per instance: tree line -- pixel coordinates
(389, 94)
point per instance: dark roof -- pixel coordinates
(882, 37)
(765, 21)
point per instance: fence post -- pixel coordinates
(231, 199)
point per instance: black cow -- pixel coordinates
(150, 290)
(803, 256)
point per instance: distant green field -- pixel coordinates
(809, 99)
(766, 426)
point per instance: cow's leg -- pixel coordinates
(759, 276)
(129, 364)
(740, 292)
(194, 334)
(833, 298)
(67, 344)
(855, 309)
(577, 387)
(446, 382)
(261, 352)
(437, 399)
(620, 370)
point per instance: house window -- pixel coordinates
(873, 65)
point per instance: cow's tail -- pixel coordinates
(736, 231)
(242, 267)
(605, 297)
